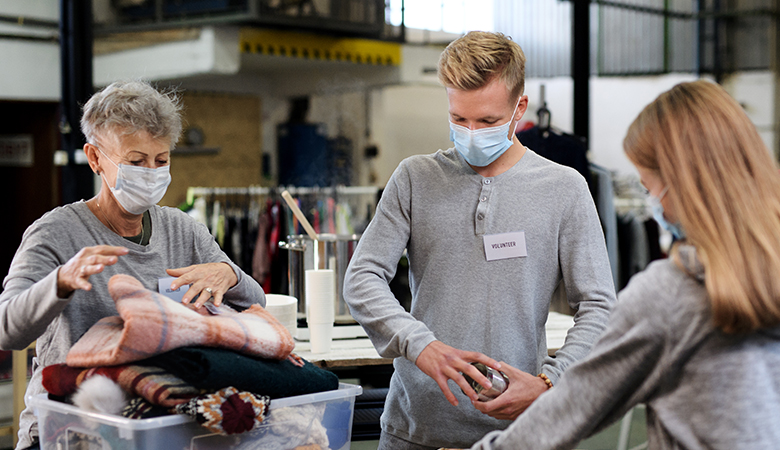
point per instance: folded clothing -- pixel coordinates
(213, 369)
(140, 408)
(227, 411)
(153, 384)
(149, 324)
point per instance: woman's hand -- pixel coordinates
(205, 280)
(75, 273)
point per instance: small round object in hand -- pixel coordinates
(498, 379)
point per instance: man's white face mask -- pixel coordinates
(485, 145)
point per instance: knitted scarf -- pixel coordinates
(149, 324)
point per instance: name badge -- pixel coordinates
(505, 246)
(164, 288)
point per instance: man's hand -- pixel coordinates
(442, 362)
(523, 389)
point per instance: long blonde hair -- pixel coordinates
(725, 187)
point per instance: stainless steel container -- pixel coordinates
(498, 380)
(334, 252)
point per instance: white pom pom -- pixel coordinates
(100, 394)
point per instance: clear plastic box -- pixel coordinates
(323, 419)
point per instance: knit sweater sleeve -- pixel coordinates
(587, 278)
(626, 367)
(393, 331)
(29, 300)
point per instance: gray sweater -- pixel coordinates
(30, 308)
(703, 389)
(438, 209)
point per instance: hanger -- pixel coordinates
(543, 115)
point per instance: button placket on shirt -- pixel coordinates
(482, 207)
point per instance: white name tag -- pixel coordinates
(505, 245)
(164, 288)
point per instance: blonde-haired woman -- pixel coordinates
(695, 337)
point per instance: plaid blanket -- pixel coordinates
(149, 324)
(155, 385)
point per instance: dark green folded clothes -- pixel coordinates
(214, 369)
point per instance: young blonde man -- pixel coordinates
(491, 229)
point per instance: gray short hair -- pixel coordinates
(127, 107)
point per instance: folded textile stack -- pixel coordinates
(222, 370)
(149, 324)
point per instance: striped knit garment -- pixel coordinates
(149, 324)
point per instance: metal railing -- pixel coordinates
(364, 18)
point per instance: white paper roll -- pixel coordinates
(320, 296)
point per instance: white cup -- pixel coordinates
(285, 309)
(320, 308)
(321, 337)
(320, 296)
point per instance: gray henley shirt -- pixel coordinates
(438, 209)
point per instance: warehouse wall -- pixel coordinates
(230, 123)
(410, 120)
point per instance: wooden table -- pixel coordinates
(360, 352)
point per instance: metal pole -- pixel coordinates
(76, 77)
(581, 66)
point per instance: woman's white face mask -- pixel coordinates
(139, 188)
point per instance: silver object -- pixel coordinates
(498, 380)
(208, 289)
(334, 252)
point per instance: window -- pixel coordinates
(452, 16)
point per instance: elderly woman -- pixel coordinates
(57, 284)
(696, 337)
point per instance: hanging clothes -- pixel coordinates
(562, 148)
(261, 257)
(604, 196)
(249, 223)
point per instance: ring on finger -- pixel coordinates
(209, 290)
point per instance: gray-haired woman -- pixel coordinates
(57, 288)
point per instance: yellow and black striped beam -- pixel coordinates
(313, 46)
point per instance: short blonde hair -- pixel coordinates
(472, 61)
(128, 107)
(726, 191)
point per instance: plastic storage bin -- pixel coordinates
(324, 419)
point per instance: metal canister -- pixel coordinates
(499, 382)
(334, 252)
(296, 268)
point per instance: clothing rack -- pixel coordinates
(249, 222)
(193, 192)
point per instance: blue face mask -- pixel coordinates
(658, 215)
(483, 146)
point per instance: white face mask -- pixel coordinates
(482, 146)
(139, 188)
